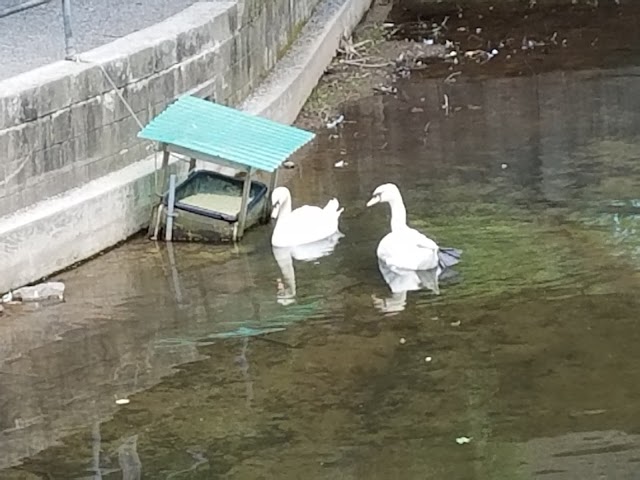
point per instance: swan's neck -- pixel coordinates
(285, 208)
(398, 214)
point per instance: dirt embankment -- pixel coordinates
(448, 40)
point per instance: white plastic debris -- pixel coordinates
(340, 164)
(122, 401)
(336, 122)
(427, 359)
(289, 164)
(462, 440)
(36, 293)
(403, 340)
(428, 41)
(388, 89)
(504, 166)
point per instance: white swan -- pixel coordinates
(303, 225)
(405, 248)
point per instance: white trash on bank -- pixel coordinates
(36, 293)
(336, 122)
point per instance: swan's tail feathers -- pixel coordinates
(334, 206)
(448, 257)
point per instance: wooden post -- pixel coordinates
(163, 171)
(168, 234)
(267, 204)
(246, 190)
(160, 179)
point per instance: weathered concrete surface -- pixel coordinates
(282, 95)
(103, 200)
(35, 37)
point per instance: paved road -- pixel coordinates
(35, 37)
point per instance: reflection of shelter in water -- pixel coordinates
(55, 386)
(58, 375)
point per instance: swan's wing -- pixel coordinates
(305, 212)
(303, 225)
(315, 250)
(408, 249)
(421, 240)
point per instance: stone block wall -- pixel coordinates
(64, 124)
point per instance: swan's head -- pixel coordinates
(384, 193)
(279, 197)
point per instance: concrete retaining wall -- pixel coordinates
(75, 179)
(64, 125)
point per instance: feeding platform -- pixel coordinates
(208, 205)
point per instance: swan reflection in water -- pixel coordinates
(309, 252)
(402, 281)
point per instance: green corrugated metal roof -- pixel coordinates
(224, 132)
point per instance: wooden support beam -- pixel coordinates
(186, 152)
(246, 190)
(192, 164)
(163, 172)
(161, 178)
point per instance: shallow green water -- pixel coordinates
(532, 347)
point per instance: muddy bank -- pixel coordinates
(446, 41)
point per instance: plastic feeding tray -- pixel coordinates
(207, 207)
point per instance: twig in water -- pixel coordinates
(362, 43)
(426, 132)
(356, 63)
(446, 106)
(452, 78)
(347, 47)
